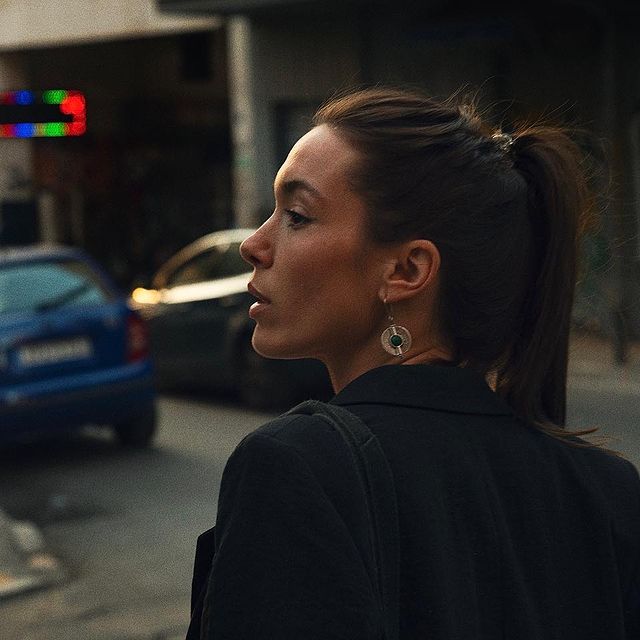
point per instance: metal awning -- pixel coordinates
(226, 6)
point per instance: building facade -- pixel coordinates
(574, 63)
(151, 173)
(193, 104)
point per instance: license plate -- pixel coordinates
(54, 352)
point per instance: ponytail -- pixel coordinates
(505, 213)
(533, 378)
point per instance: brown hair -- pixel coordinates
(505, 213)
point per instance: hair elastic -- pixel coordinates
(504, 140)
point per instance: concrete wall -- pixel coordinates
(111, 50)
(625, 120)
(152, 171)
(112, 73)
(15, 154)
(571, 68)
(45, 23)
(283, 66)
(279, 66)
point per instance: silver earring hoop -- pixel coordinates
(395, 339)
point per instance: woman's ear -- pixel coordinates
(413, 270)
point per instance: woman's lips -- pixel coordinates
(261, 303)
(256, 294)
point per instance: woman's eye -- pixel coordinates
(295, 219)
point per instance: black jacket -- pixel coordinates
(505, 533)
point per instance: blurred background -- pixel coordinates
(145, 134)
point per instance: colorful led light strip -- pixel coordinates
(71, 104)
(55, 96)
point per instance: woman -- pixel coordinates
(420, 254)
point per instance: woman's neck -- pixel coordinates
(341, 373)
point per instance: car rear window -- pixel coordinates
(44, 286)
(220, 261)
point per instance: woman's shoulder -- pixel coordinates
(302, 448)
(609, 478)
(615, 471)
(307, 436)
(592, 452)
(291, 426)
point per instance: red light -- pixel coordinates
(76, 128)
(8, 130)
(73, 105)
(51, 113)
(137, 339)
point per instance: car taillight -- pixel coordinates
(137, 338)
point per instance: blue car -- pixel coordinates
(72, 352)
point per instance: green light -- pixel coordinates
(54, 129)
(54, 96)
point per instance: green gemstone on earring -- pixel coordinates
(396, 340)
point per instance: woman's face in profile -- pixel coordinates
(317, 276)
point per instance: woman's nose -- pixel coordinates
(256, 249)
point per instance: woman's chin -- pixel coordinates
(273, 349)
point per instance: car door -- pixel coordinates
(190, 330)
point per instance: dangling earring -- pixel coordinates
(395, 339)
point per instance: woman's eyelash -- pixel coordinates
(295, 218)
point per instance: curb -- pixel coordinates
(619, 384)
(24, 563)
(593, 366)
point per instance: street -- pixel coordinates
(616, 414)
(124, 523)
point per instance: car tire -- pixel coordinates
(137, 432)
(265, 385)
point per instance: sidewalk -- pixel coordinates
(24, 563)
(592, 364)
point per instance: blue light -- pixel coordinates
(24, 97)
(25, 130)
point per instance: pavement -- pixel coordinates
(592, 365)
(25, 563)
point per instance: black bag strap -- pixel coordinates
(379, 491)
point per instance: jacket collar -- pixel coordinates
(442, 388)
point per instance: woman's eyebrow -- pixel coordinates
(289, 187)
